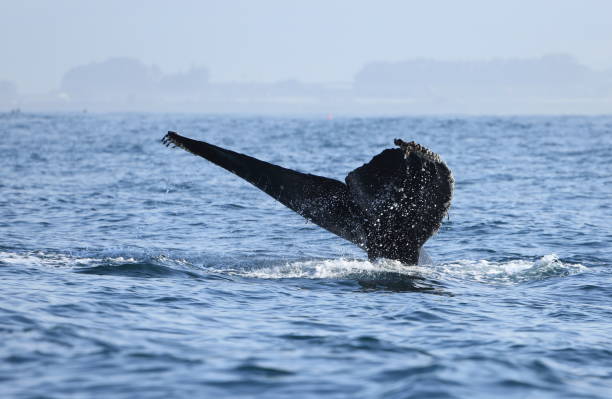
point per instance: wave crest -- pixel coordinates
(141, 265)
(511, 271)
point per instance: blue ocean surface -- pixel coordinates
(131, 270)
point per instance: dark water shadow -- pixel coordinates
(139, 269)
(398, 282)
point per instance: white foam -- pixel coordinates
(326, 269)
(40, 258)
(513, 271)
(516, 271)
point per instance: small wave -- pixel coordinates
(326, 269)
(512, 271)
(383, 272)
(136, 269)
(40, 258)
(147, 266)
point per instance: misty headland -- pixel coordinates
(551, 84)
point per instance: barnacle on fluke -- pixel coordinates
(389, 206)
(412, 147)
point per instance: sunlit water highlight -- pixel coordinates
(131, 270)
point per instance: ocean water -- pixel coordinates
(129, 269)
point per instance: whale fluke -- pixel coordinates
(309, 195)
(389, 206)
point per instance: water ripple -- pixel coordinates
(130, 270)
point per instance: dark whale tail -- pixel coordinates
(389, 206)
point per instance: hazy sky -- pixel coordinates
(311, 40)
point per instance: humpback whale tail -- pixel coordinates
(389, 206)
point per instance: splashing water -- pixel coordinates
(483, 271)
